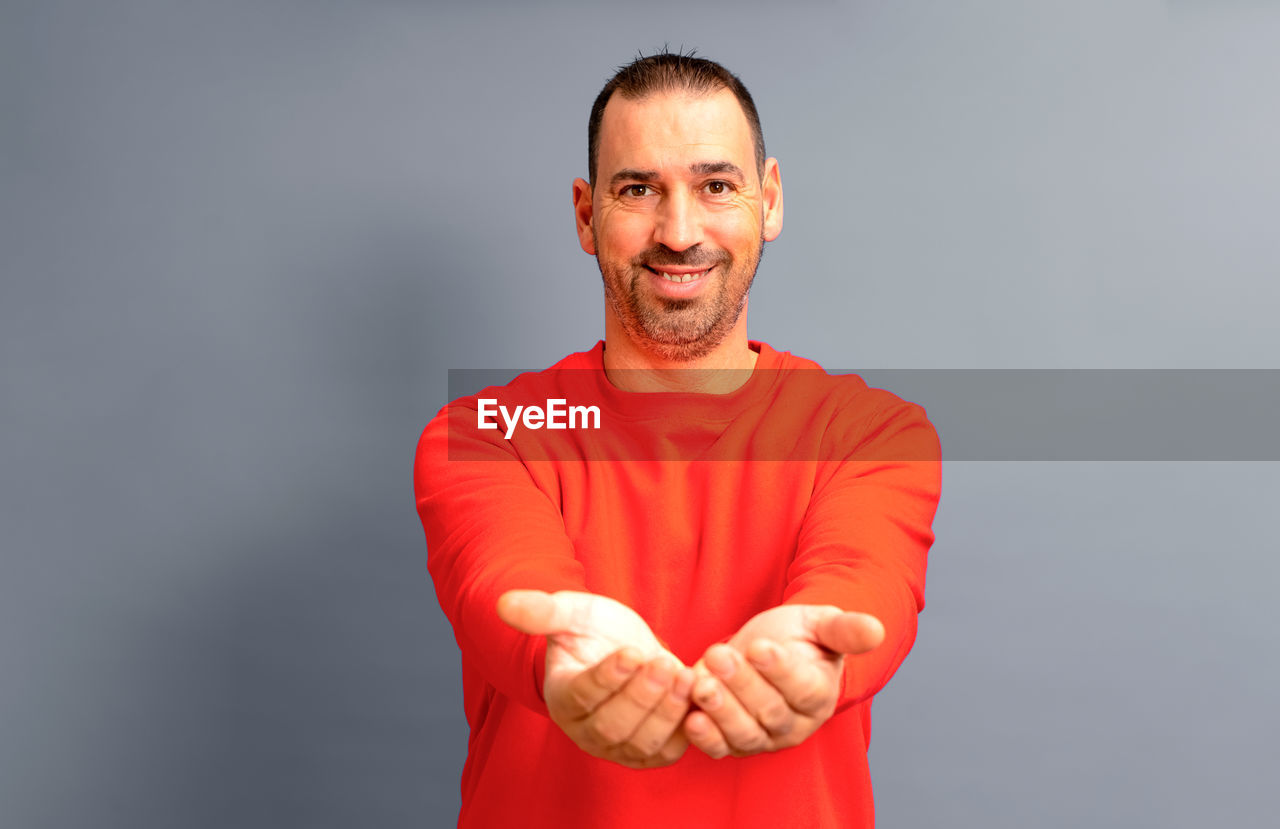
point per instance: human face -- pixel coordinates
(677, 219)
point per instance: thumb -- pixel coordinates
(534, 612)
(847, 631)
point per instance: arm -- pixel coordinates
(489, 529)
(494, 541)
(862, 548)
(865, 540)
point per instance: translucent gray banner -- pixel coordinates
(1069, 414)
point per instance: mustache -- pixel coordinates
(692, 257)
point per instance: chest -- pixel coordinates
(696, 548)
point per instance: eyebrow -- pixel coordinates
(711, 168)
(700, 168)
(633, 175)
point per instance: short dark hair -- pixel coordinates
(671, 72)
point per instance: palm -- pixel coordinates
(777, 679)
(790, 627)
(610, 684)
(596, 626)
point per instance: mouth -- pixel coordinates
(679, 284)
(679, 276)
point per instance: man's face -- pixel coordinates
(677, 219)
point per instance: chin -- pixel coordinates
(682, 352)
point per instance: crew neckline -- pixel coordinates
(644, 405)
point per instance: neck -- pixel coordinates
(631, 367)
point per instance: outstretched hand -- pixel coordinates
(777, 680)
(610, 684)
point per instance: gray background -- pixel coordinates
(242, 243)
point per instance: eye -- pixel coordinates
(636, 190)
(718, 188)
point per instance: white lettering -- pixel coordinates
(584, 411)
(536, 417)
(552, 410)
(483, 412)
(511, 419)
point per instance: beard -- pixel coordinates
(679, 330)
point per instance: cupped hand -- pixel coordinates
(777, 680)
(610, 685)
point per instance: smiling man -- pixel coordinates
(681, 616)
(678, 224)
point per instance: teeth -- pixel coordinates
(681, 277)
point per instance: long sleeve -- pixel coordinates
(799, 487)
(865, 537)
(489, 529)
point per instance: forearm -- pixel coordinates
(887, 598)
(865, 542)
(489, 529)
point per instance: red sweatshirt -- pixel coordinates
(698, 511)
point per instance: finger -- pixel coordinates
(847, 632)
(616, 719)
(670, 752)
(655, 732)
(673, 750)
(704, 735)
(739, 729)
(755, 693)
(535, 612)
(808, 684)
(590, 688)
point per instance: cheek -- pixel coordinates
(624, 235)
(739, 228)
(740, 213)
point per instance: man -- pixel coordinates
(678, 618)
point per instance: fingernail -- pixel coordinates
(721, 661)
(683, 686)
(764, 655)
(708, 698)
(659, 673)
(627, 662)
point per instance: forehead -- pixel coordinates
(674, 129)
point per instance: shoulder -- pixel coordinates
(855, 413)
(468, 386)
(471, 390)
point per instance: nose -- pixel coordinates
(678, 223)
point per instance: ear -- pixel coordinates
(771, 188)
(582, 214)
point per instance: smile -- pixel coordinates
(687, 276)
